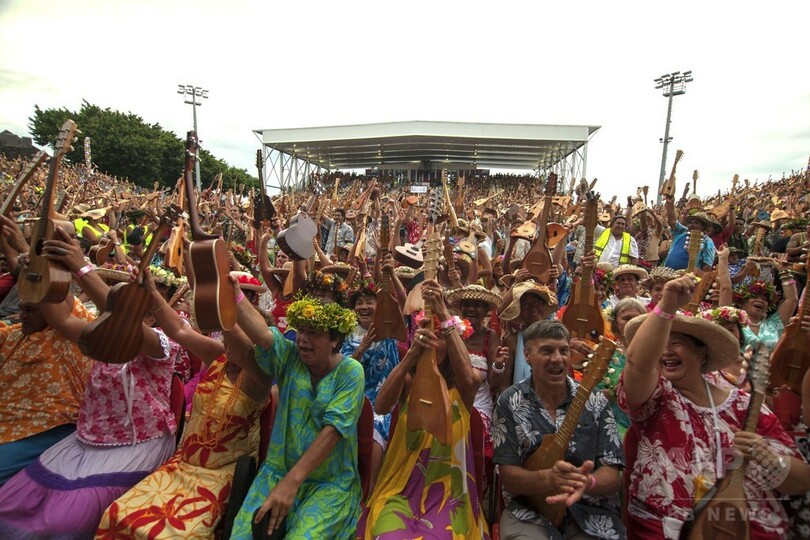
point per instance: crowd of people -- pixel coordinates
(493, 413)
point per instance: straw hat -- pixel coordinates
(248, 282)
(701, 216)
(779, 214)
(637, 271)
(526, 287)
(474, 292)
(722, 346)
(342, 269)
(661, 274)
(113, 275)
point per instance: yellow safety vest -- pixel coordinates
(601, 243)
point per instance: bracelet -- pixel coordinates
(663, 314)
(449, 323)
(591, 482)
(84, 270)
(240, 297)
(498, 370)
(447, 331)
(788, 282)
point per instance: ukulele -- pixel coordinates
(583, 316)
(791, 358)
(115, 336)
(554, 445)
(722, 512)
(388, 320)
(296, 239)
(538, 259)
(214, 298)
(22, 179)
(449, 259)
(45, 280)
(429, 401)
(668, 187)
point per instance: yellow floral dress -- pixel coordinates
(426, 489)
(187, 496)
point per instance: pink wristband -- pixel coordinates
(240, 297)
(788, 282)
(663, 314)
(591, 482)
(84, 270)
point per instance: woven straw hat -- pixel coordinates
(661, 274)
(113, 275)
(637, 271)
(474, 292)
(526, 287)
(723, 348)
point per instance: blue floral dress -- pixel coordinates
(328, 501)
(377, 361)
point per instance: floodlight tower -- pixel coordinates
(673, 84)
(194, 93)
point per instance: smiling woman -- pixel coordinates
(663, 384)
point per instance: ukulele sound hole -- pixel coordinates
(38, 247)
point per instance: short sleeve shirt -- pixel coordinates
(519, 423)
(304, 411)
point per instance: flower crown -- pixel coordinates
(365, 287)
(744, 291)
(333, 282)
(312, 313)
(602, 276)
(166, 277)
(725, 314)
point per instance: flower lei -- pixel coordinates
(608, 313)
(743, 292)
(463, 326)
(166, 277)
(122, 267)
(725, 314)
(312, 313)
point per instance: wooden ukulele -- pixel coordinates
(668, 187)
(115, 336)
(459, 203)
(46, 280)
(583, 316)
(22, 179)
(538, 259)
(554, 445)
(214, 298)
(429, 401)
(707, 278)
(791, 358)
(388, 320)
(722, 512)
(450, 262)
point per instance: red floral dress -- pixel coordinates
(676, 444)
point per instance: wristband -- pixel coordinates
(367, 275)
(663, 314)
(498, 370)
(240, 297)
(788, 282)
(591, 482)
(447, 331)
(84, 270)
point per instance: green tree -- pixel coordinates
(125, 146)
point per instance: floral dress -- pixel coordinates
(187, 496)
(328, 501)
(425, 486)
(377, 361)
(676, 444)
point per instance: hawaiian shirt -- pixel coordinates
(519, 424)
(43, 377)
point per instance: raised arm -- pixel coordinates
(641, 372)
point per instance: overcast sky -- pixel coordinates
(305, 63)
